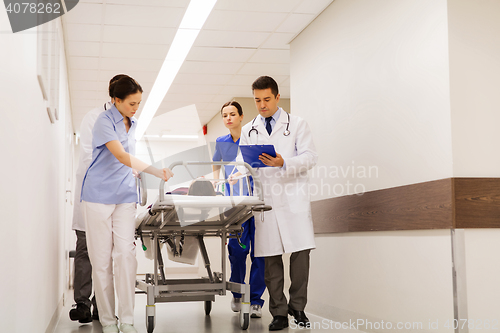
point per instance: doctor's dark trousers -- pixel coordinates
(275, 278)
(83, 272)
(238, 258)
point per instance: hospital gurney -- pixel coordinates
(173, 217)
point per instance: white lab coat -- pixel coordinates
(84, 161)
(288, 226)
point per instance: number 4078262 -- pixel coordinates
(34, 8)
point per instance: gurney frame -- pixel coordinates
(159, 227)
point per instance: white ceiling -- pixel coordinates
(241, 40)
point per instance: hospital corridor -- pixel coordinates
(190, 317)
(250, 166)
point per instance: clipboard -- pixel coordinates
(251, 154)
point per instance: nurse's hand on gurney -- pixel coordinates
(116, 148)
(233, 178)
(165, 174)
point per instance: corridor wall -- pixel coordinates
(372, 80)
(474, 45)
(37, 170)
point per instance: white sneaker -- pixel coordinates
(110, 329)
(127, 328)
(255, 311)
(236, 304)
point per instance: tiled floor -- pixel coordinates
(189, 317)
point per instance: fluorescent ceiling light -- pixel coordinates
(192, 22)
(196, 14)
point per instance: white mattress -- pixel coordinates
(193, 201)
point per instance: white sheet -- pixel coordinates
(193, 201)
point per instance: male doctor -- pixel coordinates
(288, 227)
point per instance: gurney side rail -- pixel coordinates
(257, 183)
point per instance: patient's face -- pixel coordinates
(231, 117)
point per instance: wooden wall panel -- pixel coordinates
(441, 204)
(419, 206)
(477, 202)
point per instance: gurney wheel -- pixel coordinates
(208, 307)
(244, 320)
(150, 324)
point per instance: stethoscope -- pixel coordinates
(286, 132)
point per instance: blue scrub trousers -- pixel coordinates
(238, 258)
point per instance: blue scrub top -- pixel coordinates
(226, 150)
(108, 181)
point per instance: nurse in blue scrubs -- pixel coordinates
(109, 201)
(226, 149)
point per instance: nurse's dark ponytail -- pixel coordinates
(124, 87)
(112, 83)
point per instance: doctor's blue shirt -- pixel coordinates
(274, 118)
(108, 181)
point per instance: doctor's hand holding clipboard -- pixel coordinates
(258, 156)
(261, 156)
(271, 161)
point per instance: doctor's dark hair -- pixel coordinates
(235, 104)
(112, 83)
(125, 86)
(265, 82)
